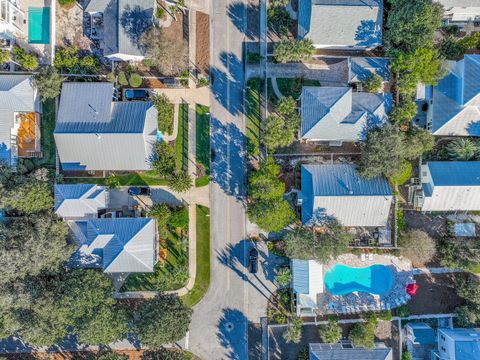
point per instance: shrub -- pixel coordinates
(363, 334)
(180, 181)
(279, 20)
(160, 13)
(254, 57)
(66, 2)
(165, 113)
(403, 311)
(164, 162)
(111, 77)
(461, 149)
(112, 181)
(403, 113)
(418, 246)
(48, 83)
(66, 58)
(135, 80)
(5, 56)
(330, 333)
(467, 316)
(122, 78)
(89, 64)
(203, 81)
(294, 332)
(292, 50)
(406, 355)
(373, 84)
(283, 277)
(385, 315)
(148, 63)
(27, 61)
(404, 173)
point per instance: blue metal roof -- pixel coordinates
(424, 335)
(122, 229)
(455, 173)
(300, 274)
(340, 180)
(72, 191)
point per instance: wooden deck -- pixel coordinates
(28, 134)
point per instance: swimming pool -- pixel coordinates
(342, 279)
(39, 25)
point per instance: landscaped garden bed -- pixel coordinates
(181, 141)
(202, 151)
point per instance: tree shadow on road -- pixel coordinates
(235, 258)
(227, 87)
(228, 161)
(237, 12)
(232, 333)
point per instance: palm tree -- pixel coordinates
(461, 149)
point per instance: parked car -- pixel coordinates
(136, 94)
(139, 190)
(253, 260)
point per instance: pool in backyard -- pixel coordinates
(375, 279)
(39, 25)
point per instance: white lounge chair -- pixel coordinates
(362, 257)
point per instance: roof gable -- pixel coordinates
(79, 200)
(128, 244)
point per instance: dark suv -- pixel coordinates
(136, 94)
(139, 190)
(253, 261)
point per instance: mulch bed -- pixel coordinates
(202, 46)
(436, 294)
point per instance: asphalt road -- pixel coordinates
(235, 298)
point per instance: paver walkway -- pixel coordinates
(197, 95)
(329, 71)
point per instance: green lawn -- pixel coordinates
(293, 86)
(169, 274)
(202, 147)
(134, 179)
(181, 142)
(202, 278)
(253, 99)
(47, 124)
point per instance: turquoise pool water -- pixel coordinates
(342, 280)
(39, 25)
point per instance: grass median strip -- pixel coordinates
(202, 278)
(253, 97)
(202, 147)
(181, 142)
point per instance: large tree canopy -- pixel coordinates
(411, 24)
(78, 302)
(29, 197)
(31, 245)
(162, 320)
(264, 184)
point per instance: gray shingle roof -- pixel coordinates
(95, 133)
(342, 23)
(338, 191)
(336, 352)
(17, 94)
(122, 244)
(338, 113)
(124, 23)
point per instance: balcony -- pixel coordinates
(28, 137)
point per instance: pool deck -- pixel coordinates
(358, 302)
(44, 51)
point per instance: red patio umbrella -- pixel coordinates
(411, 289)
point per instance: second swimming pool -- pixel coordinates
(39, 25)
(342, 279)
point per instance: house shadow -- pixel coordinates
(135, 21)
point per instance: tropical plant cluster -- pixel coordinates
(267, 208)
(279, 129)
